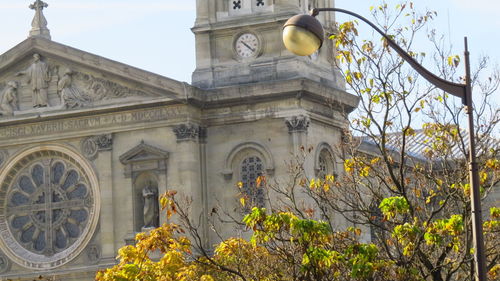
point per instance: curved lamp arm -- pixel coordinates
(456, 89)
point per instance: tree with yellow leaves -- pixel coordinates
(403, 190)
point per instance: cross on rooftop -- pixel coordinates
(38, 5)
(39, 23)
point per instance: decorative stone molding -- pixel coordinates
(227, 174)
(3, 157)
(346, 136)
(144, 157)
(90, 146)
(254, 148)
(297, 123)
(186, 132)
(75, 89)
(324, 159)
(203, 134)
(93, 254)
(98, 89)
(129, 239)
(104, 142)
(4, 263)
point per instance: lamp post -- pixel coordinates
(303, 35)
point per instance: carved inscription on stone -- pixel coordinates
(90, 122)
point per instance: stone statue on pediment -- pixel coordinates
(8, 102)
(39, 77)
(70, 95)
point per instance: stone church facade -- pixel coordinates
(87, 144)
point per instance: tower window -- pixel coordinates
(260, 3)
(251, 169)
(325, 164)
(236, 4)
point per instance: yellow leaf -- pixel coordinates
(242, 201)
(240, 184)
(206, 278)
(326, 187)
(259, 181)
(329, 178)
(375, 160)
(312, 184)
(357, 231)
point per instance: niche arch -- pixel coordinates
(324, 161)
(244, 150)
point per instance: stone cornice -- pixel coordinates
(244, 20)
(274, 90)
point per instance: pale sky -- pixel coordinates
(155, 34)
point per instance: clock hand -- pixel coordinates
(248, 46)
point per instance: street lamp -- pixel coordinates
(303, 35)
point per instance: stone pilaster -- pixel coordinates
(297, 127)
(108, 242)
(190, 162)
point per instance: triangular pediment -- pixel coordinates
(68, 78)
(143, 152)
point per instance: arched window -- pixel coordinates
(324, 162)
(251, 169)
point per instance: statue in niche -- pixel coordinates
(8, 102)
(71, 96)
(39, 77)
(151, 207)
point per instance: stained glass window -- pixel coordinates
(251, 169)
(47, 210)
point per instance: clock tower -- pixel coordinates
(239, 42)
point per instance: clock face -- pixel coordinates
(247, 45)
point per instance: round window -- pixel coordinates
(48, 208)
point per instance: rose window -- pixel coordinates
(49, 208)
